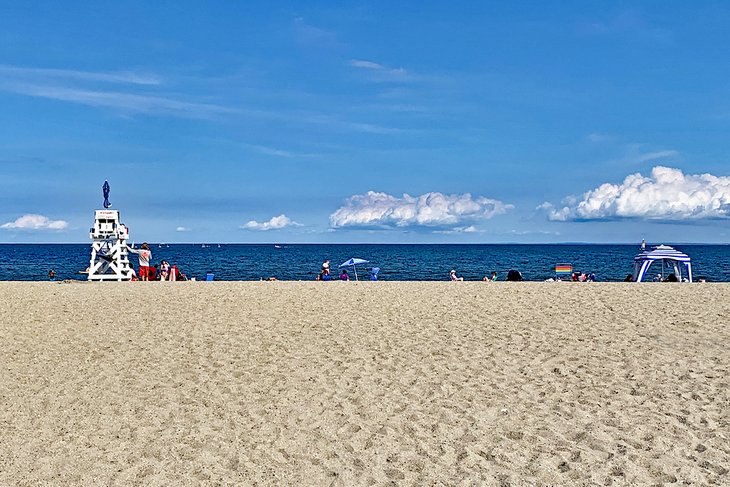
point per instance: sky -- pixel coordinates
(372, 122)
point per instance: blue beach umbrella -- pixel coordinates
(353, 263)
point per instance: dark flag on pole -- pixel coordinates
(105, 188)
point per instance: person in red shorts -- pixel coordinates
(145, 256)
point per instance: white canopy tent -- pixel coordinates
(676, 261)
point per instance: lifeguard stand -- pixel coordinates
(109, 255)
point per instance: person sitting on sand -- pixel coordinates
(492, 278)
(453, 276)
(51, 275)
(629, 278)
(344, 276)
(374, 273)
(326, 275)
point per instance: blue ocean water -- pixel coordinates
(233, 262)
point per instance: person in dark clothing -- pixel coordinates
(514, 275)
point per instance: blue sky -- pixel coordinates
(368, 122)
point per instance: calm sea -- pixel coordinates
(233, 262)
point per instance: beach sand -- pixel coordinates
(306, 383)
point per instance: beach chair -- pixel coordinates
(563, 271)
(209, 276)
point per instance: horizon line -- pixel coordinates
(384, 243)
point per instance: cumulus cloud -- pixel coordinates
(667, 194)
(35, 222)
(434, 209)
(276, 223)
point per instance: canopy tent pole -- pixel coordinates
(642, 271)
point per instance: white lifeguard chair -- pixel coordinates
(109, 255)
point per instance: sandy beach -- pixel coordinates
(305, 383)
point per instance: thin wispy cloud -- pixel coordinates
(459, 230)
(131, 95)
(44, 74)
(124, 102)
(308, 35)
(379, 72)
(365, 64)
(628, 22)
(638, 154)
(352, 126)
(273, 151)
(653, 156)
(182, 229)
(598, 138)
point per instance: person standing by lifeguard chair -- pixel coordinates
(145, 257)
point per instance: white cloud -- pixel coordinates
(35, 222)
(668, 194)
(126, 102)
(276, 223)
(19, 72)
(379, 71)
(273, 151)
(310, 36)
(598, 138)
(428, 210)
(652, 156)
(469, 229)
(359, 63)
(182, 229)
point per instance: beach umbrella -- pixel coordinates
(353, 263)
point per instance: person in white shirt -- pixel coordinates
(145, 257)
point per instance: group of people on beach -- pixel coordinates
(512, 275)
(157, 272)
(583, 277)
(515, 275)
(325, 275)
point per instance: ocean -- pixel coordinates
(406, 262)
